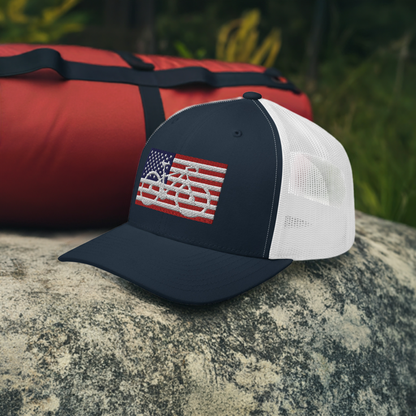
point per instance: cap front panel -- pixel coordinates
(208, 177)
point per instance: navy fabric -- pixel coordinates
(279, 172)
(154, 114)
(252, 95)
(152, 103)
(246, 211)
(178, 272)
(135, 62)
(160, 162)
(169, 78)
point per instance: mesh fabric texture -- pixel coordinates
(315, 216)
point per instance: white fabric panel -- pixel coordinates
(315, 216)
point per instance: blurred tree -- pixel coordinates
(314, 44)
(145, 22)
(38, 21)
(132, 19)
(119, 25)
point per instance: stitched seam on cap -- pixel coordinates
(275, 176)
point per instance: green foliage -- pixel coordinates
(187, 34)
(238, 41)
(370, 109)
(184, 52)
(38, 21)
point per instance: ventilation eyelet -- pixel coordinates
(237, 133)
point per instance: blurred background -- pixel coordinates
(356, 60)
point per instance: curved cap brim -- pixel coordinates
(174, 270)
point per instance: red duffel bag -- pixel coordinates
(74, 120)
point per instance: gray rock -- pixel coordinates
(329, 337)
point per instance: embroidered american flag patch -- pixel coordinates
(181, 185)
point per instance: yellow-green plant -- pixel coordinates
(47, 25)
(184, 51)
(238, 41)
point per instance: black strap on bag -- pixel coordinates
(141, 74)
(153, 111)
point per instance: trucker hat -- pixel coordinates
(227, 194)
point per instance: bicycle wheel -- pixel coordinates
(187, 212)
(149, 178)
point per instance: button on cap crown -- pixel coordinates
(252, 95)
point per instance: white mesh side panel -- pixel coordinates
(315, 216)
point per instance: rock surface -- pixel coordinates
(329, 337)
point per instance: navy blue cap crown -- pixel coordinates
(210, 176)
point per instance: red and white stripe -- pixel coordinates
(192, 189)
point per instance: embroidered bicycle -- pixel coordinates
(179, 190)
(181, 185)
